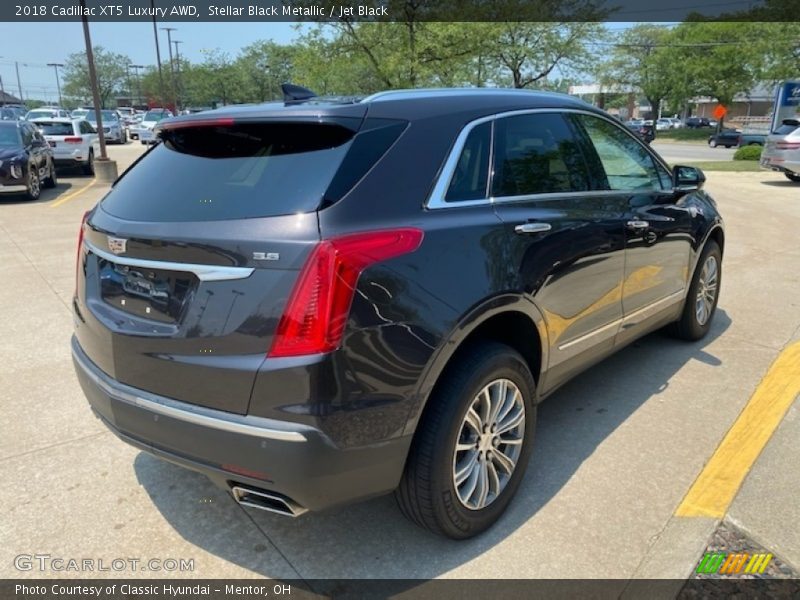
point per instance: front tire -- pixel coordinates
(701, 301)
(712, 143)
(34, 183)
(472, 445)
(793, 177)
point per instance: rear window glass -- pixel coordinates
(153, 115)
(40, 114)
(242, 171)
(55, 128)
(786, 128)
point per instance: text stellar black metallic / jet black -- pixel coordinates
(319, 301)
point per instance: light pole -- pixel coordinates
(177, 72)
(169, 31)
(138, 83)
(105, 170)
(58, 82)
(19, 82)
(158, 55)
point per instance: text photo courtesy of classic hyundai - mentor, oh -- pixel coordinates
(319, 301)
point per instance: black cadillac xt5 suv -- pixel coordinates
(320, 301)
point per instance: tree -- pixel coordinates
(718, 60)
(263, 67)
(641, 61)
(111, 75)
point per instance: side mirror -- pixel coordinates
(687, 179)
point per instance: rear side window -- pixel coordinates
(537, 154)
(471, 174)
(56, 128)
(232, 172)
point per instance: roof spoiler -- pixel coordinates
(295, 93)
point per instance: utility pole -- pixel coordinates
(93, 82)
(138, 82)
(178, 93)
(58, 81)
(19, 83)
(169, 31)
(158, 56)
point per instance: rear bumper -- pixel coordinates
(774, 163)
(296, 461)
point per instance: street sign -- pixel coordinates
(719, 112)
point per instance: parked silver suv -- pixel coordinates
(782, 150)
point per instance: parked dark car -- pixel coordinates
(646, 133)
(727, 137)
(731, 138)
(324, 301)
(697, 122)
(26, 160)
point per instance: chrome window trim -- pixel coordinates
(203, 272)
(436, 199)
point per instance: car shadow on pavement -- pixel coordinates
(781, 184)
(47, 195)
(373, 540)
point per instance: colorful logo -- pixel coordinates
(734, 563)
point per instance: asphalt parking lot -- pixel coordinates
(617, 448)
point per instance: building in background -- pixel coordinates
(6, 98)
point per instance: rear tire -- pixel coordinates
(712, 143)
(701, 300)
(793, 177)
(88, 168)
(51, 180)
(457, 482)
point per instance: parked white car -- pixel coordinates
(47, 112)
(74, 142)
(149, 121)
(663, 124)
(782, 150)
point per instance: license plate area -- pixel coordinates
(156, 294)
(52, 144)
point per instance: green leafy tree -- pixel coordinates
(263, 67)
(527, 54)
(111, 71)
(641, 61)
(717, 59)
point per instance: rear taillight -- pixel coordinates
(80, 245)
(787, 145)
(316, 312)
(73, 140)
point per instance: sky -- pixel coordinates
(33, 45)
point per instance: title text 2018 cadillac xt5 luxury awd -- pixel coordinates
(320, 301)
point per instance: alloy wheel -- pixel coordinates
(489, 444)
(706, 290)
(33, 182)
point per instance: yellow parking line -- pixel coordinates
(69, 197)
(713, 491)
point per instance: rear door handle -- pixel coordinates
(638, 225)
(527, 228)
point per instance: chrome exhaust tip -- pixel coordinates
(268, 501)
